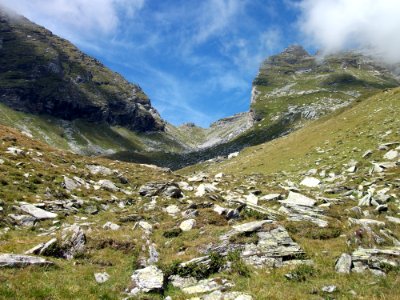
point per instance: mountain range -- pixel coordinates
(100, 198)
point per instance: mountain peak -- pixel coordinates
(295, 50)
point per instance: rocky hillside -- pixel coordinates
(312, 215)
(41, 73)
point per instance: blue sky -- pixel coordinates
(196, 59)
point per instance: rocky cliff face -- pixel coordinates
(41, 73)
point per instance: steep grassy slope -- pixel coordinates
(331, 141)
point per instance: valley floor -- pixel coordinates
(313, 215)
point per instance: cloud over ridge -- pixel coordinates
(336, 25)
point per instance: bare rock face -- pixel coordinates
(66, 86)
(73, 242)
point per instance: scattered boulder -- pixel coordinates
(69, 184)
(149, 279)
(206, 286)
(329, 289)
(218, 295)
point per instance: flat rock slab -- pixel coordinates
(298, 199)
(19, 261)
(37, 212)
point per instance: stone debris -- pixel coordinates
(149, 279)
(38, 213)
(101, 277)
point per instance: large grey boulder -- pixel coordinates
(108, 185)
(18, 261)
(310, 182)
(146, 280)
(157, 188)
(37, 212)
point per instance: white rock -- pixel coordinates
(185, 186)
(393, 219)
(108, 185)
(204, 188)
(232, 155)
(147, 279)
(37, 212)
(298, 199)
(392, 154)
(252, 199)
(69, 184)
(111, 226)
(188, 225)
(101, 277)
(94, 170)
(172, 210)
(219, 209)
(147, 227)
(15, 151)
(311, 182)
(366, 222)
(219, 175)
(329, 288)
(1, 161)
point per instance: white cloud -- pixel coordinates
(216, 16)
(77, 18)
(335, 25)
